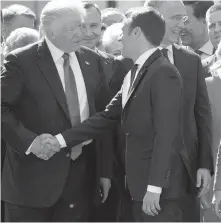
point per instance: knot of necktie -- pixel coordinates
(66, 56)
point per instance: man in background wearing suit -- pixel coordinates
(114, 73)
(196, 116)
(213, 19)
(49, 87)
(149, 107)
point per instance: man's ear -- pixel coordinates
(136, 32)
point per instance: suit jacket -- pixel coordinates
(151, 120)
(197, 133)
(33, 102)
(214, 91)
(207, 63)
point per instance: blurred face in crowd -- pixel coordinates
(18, 22)
(214, 27)
(195, 30)
(66, 32)
(91, 28)
(175, 16)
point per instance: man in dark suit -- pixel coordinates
(196, 109)
(49, 87)
(114, 72)
(149, 107)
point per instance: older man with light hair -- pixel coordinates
(48, 87)
(19, 38)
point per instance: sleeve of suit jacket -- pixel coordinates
(203, 121)
(12, 84)
(97, 125)
(166, 98)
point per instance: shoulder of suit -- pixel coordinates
(187, 51)
(26, 50)
(88, 51)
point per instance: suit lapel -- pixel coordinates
(86, 70)
(49, 70)
(143, 70)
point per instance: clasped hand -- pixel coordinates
(45, 146)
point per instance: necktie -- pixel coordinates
(72, 100)
(165, 53)
(133, 72)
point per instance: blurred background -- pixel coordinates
(37, 5)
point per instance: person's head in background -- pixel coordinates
(92, 28)
(111, 39)
(110, 16)
(19, 38)
(195, 33)
(175, 16)
(139, 35)
(61, 23)
(17, 16)
(213, 19)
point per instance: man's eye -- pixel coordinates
(212, 25)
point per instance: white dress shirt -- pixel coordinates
(125, 95)
(207, 50)
(81, 89)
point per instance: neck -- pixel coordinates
(140, 51)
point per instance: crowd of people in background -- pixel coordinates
(36, 187)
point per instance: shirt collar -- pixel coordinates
(207, 48)
(55, 52)
(142, 59)
(170, 48)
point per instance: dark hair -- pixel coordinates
(199, 7)
(151, 22)
(89, 5)
(11, 11)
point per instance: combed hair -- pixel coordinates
(12, 11)
(214, 8)
(199, 7)
(89, 5)
(19, 38)
(57, 9)
(151, 22)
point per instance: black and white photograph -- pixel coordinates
(110, 111)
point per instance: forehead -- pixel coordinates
(92, 15)
(214, 17)
(172, 8)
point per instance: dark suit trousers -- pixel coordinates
(70, 207)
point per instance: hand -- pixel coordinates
(204, 203)
(203, 181)
(151, 203)
(217, 202)
(106, 185)
(44, 146)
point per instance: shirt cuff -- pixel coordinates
(154, 189)
(28, 150)
(61, 141)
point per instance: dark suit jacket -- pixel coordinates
(33, 102)
(196, 112)
(151, 120)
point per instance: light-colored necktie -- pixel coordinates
(72, 100)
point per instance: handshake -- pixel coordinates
(45, 146)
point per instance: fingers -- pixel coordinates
(105, 195)
(217, 209)
(151, 209)
(198, 180)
